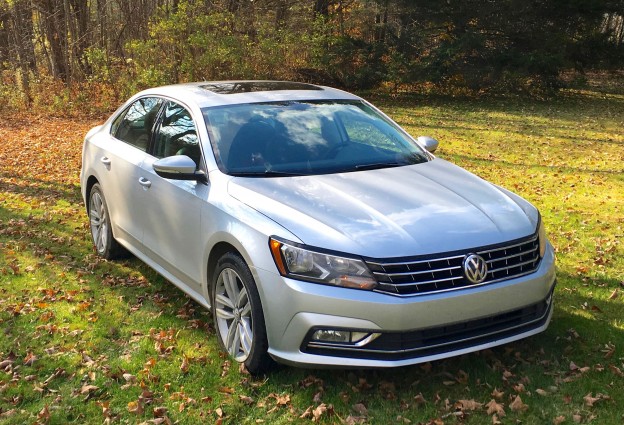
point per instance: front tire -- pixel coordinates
(237, 314)
(100, 225)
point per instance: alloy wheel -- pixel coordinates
(233, 311)
(99, 221)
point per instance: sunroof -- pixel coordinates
(253, 86)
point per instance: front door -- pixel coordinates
(172, 215)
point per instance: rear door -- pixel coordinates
(119, 159)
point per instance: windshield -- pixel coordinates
(306, 138)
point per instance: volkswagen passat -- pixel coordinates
(313, 227)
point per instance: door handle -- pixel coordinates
(105, 160)
(145, 182)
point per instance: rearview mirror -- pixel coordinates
(178, 167)
(428, 143)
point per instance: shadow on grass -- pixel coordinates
(44, 189)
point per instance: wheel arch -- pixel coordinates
(217, 251)
(90, 182)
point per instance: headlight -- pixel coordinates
(313, 266)
(541, 236)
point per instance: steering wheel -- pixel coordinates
(178, 136)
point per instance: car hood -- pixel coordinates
(393, 212)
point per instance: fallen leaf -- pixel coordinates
(307, 414)
(44, 414)
(135, 407)
(363, 385)
(129, 377)
(30, 359)
(360, 409)
(282, 400)
(495, 408)
(226, 390)
(462, 377)
(184, 367)
(559, 420)
(616, 370)
(86, 389)
(542, 392)
(8, 413)
(246, 399)
(160, 411)
(589, 400)
(497, 394)
(519, 388)
(419, 399)
(517, 405)
(319, 411)
(469, 405)
(614, 294)
(8, 361)
(354, 420)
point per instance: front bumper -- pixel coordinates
(413, 330)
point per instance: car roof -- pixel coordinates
(217, 93)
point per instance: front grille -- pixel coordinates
(444, 272)
(442, 339)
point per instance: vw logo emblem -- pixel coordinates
(475, 268)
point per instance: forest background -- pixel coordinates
(92, 54)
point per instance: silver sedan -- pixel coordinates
(316, 230)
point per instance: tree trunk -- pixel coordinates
(21, 37)
(321, 7)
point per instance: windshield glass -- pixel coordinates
(305, 138)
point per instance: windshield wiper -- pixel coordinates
(267, 173)
(378, 165)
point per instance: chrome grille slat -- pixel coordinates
(427, 282)
(416, 272)
(414, 262)
(444, 273)
(513, 266)
(509, 257)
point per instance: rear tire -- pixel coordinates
(237, 314)
(100, 225)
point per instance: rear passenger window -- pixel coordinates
(135, 126)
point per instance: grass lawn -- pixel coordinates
(88, 341)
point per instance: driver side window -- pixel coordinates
(176, 134)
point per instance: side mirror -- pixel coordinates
(429, 143)
(178, 167)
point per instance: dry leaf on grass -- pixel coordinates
(469, 405)
(495, 408)
(517, 405)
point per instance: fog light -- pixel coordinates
(331, 335)
(356, 338)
